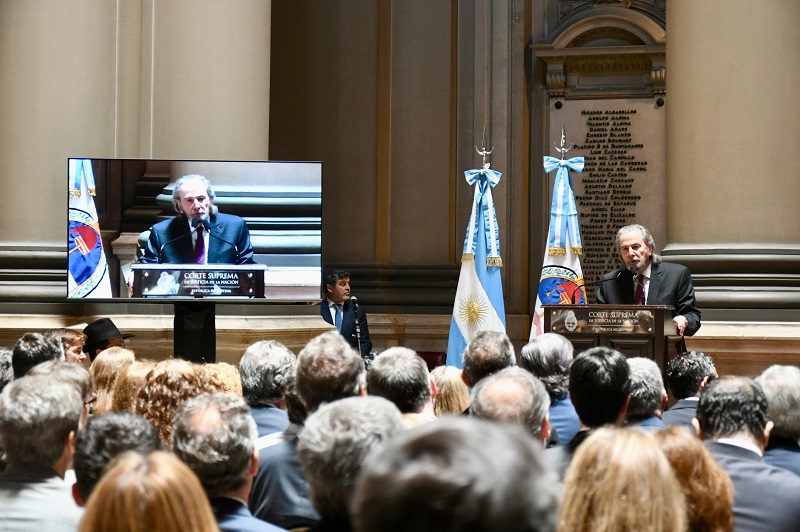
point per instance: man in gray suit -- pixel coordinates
(732, 418)
(38, 420)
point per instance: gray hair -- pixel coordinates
(328, 369)
(648, 239)
(37, 413)
(176, 192)
(401, 376)
(646, 385)
(487, 353)
(512, 395)
(6, 371)
(263, 369)
(781, 385)
(549, 357)
(215, 435)
(334, 444)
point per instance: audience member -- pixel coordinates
(732, 419)
(167, 386)
(223, 377)
(457, 474)
(6, 371)
(513, 395)
(74, 374)
(215, 435)
(452, 395)
(128, 384)
(72, 341)
(104, 437)
(154, 493)
(687, 375)
(39, 417)
(333, 446)
(620, 480)
(599, 388)
(105, 369)
(33, 349)
(648, 396)
(263, 370)
(327, 369)
(401, 376)
(549, 358)
(781, 385)
(102, 334)
(706, 486)
(487, 353)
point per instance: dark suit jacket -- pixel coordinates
(670, 284)
(681, 413)
(233, 516)
(765, 497)
(349, 324)
(175, 237)
(269, 419)
(783, 453)
(645, 422)
(564, 419)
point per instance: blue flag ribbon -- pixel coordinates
(563, 211)
(83, 170)
(483, 212)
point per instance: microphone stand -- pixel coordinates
(354, 300)
(631, 269)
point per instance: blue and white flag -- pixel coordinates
(561, 281)
(88, 269)
(479, 302)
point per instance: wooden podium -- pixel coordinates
(634, 330)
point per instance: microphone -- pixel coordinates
(184, 235)
(354, 300)
(631, 269)
(207, 227)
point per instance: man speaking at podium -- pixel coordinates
(644, 279)
(200, 234)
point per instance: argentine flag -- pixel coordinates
(88, 269)
(479, 298)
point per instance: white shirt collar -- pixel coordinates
(743, 444)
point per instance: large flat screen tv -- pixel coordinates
(115, 203)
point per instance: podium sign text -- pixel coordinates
(601, 321)
(198, 281)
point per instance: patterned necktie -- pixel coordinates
(200, 246)
(639, 298)
(338, 316)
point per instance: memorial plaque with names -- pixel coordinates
(622, 142)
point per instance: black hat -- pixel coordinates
(102, 329)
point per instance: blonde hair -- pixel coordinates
(223, 377)
(127, 386)
(153, 493)
(707, 487)
(105, 369)
(452, 395)
(619, 480)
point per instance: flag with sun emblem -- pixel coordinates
(88, 269)
(479, 297)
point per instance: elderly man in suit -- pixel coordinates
(653, 283)
(338, 309)
(732, 419)
(781, 385)
(687, 375)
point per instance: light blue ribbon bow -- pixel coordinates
(483, 211)
(563, 212)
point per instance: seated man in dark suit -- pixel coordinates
(732, 419)
(687, 375)
(781, 385)
(264, 370)
(648, 396)
(215, 435)
(655, 282)
(338, 309)
(200, 234)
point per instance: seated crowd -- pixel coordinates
(550, 440)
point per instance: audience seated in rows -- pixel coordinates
(128, 384)
(156, 492)
(549, 358)
(103, 438)
(333, 445)
(687, 375)
(457, 474)
(452, 395)
(781, 385)
(105, 369)
(648, 396)
(401, 376)
(732, 420)
(514, 396)
(215, 435)
(619, 479)
(706, 486)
